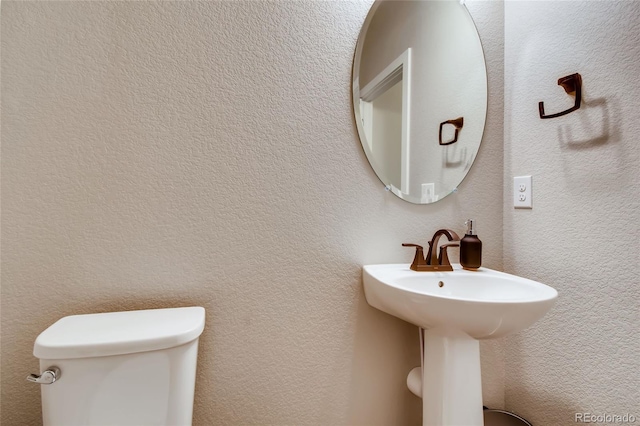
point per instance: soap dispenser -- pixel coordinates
(470, 249)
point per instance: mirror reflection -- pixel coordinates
(420, 95)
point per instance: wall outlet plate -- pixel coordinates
(522, 192)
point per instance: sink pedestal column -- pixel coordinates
(451, 382)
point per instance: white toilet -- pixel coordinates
(133, 368)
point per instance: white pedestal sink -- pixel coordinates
(456, 309)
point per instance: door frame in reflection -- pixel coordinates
(399, 70)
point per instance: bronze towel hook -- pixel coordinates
(571, 84)
(457, 123)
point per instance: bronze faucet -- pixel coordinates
(433, 262)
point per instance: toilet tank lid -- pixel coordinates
(117, 333)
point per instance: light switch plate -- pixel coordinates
(522, 192)
(428, 191)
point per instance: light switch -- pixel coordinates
(522, 192)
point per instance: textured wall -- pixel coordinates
(172, 154)
(582, 236)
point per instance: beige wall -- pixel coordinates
(172, 154)
(582, 236)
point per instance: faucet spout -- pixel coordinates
(432, 256)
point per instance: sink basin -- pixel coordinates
(454, 309)
(483, 304)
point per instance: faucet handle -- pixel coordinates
(412, 245)
(444, 257)
(418, 259)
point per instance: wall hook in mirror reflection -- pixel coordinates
(457, 123)
(571, 84)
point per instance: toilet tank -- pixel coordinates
(133, 368)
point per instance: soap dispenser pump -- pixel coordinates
(470, 249)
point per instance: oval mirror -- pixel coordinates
(420, 95)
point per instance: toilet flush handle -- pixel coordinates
(49, 376)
